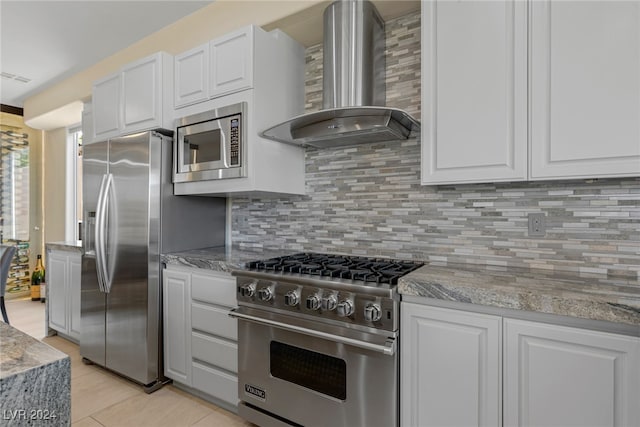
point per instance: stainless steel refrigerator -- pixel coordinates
(131, 217)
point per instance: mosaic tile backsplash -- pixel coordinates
(367, 200)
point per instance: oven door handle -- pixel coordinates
(389, 347)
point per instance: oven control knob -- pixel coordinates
(372, 312)
(313, 302)
(329, 303)
(344, 308)
(248, 290)
(291, 298)
(265, 294)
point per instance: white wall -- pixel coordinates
(212, 21)
(55, 163)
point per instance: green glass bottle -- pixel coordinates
(37, 277)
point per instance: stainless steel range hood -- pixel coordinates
(353, 86)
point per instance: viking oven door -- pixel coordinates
(293, 371)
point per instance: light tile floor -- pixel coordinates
(101, 398)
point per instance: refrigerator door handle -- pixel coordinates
(99, 235)
(105, 228)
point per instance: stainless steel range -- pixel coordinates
(318, 339)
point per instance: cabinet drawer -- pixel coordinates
(214, 351)
(214, 320)
(220, 290)
(216, 383)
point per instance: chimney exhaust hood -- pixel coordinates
(353, 86)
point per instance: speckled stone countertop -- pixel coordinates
(581, 296)
(35, 381)
(20, 352)
(220, 258)
(589, 297)
(75, 246)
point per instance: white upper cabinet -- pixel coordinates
(585, 89)
(265, 71)
(231, 62)
(516, 90)
(106, 106)
(474, 87)
(224, 65)
(134, 99)
(192, 76)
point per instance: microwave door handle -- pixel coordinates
(226, 154)
(389, 347)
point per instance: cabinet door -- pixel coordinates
(585, 89)
(177, 325)
(231, 62)
(191, 76)
(106, 106)
(561, 376)
(75, 274)
(141, 98)
(57, 284)
(450, 367)
(474, 91)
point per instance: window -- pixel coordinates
(14, 202)
(73, 226)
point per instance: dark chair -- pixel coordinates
(6, 256)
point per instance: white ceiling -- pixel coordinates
(49, 41)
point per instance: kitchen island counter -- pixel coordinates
(74, 246)
(585, 296)
(35, 381)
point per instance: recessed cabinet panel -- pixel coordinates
(450, 367)
(75, 280)
(585, 89)
(58, 301)
(63, 279)
(557, 375)
(141, 91)
(177, 325)
(231, 62)
(474, 91)
(192, 76)
(106, 106)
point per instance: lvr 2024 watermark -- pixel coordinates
(28, 414)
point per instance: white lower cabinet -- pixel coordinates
(64, 271)
(450, 367)
(200, 339)
(561, 376)
(463, 368)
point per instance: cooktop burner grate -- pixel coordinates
(377, 270)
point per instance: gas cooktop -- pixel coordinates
(377, 270)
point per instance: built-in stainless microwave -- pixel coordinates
(211, 145)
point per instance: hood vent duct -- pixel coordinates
(353, 86)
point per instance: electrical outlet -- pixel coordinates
(537, 224)
(240, 220)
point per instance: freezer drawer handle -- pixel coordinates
(389, 348)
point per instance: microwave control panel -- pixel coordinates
(235, 145)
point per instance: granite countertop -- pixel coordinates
(75, 245)
(219, 258)
(20, 352)
(583, 296)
